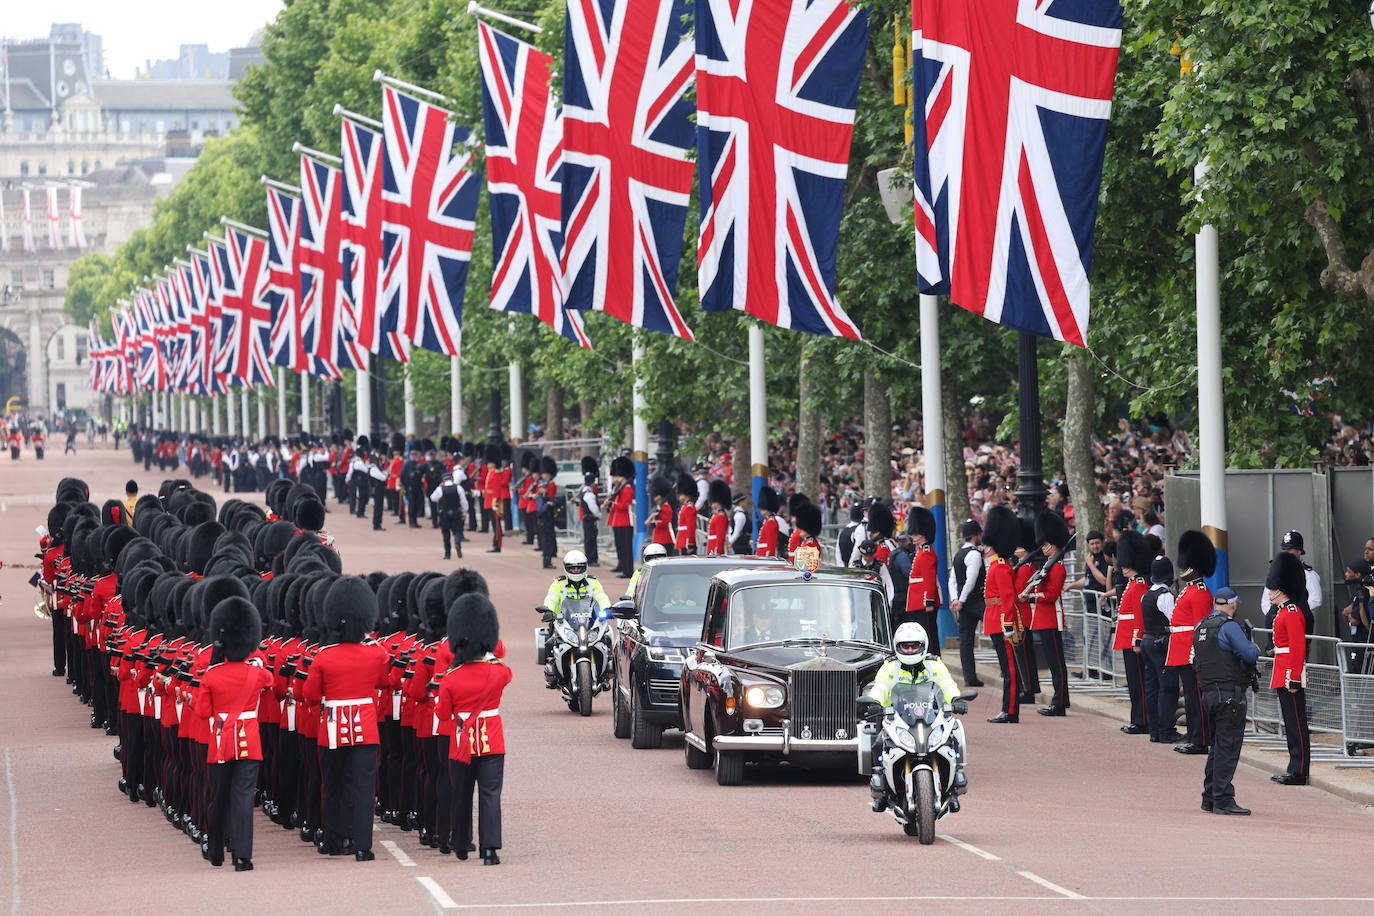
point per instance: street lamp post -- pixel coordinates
(1030, 479)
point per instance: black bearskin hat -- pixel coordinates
(236, 628)
(116, 540)
(881, 524)
(310, 514)
(548, 466)
(113, 512)
(1132, 553)
(795, 501)
(197, 512)
(1002, 531)
(363, 444)
(1050, 528)
(1287, 575)
(622, 466)
(809, 518)
(398, 442)
(686, 486)
(589, 466)
(1197, 558)
(719, 493)
(461, 582)
(473, 628)
(351, 609)
(433, 611)
(72, 489)
(202, 545)
(274, 493)
(56, 516)
(921, 520)
(768, 499)
(269, 541)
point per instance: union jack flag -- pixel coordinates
(98, 355)
(126, 343)
(777, 83)
(361, 209)
(218, 263)
(1016, 96)
(247, 318)
(206, 320)
(281, 295)
(524, 150)
(626, 174)
(152, 369)
(328, 327)
(429, 208)
(179, 282)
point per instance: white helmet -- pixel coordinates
(575, 565)
(654, 552)
(909, 643)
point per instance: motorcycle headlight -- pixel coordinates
(565, 632)
(904, 739)
(764, 696)
(666, 654)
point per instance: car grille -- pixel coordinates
(664, 692)
(823, 702)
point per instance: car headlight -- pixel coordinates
(764, 697)
(666, 654)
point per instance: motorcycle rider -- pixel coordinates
(912, 665)
(651, 552)
(574, 583)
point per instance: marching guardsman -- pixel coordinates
(1001, 624)
(1197, 559)
(661, 516)
(1028, 561)
(923, 583)
(769, 504)
(470, 697)
(741, 530)
(1047, 615)
(685, 543)
(1287, 584)
(1133, 559)
(495, 491)
(717, 529)
(545, 497)
(589, 509)
(529, 513)
(450, 508)
(618, 505)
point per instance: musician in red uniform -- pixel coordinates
(1133, 559)
(923, 582)
(686, 541)
(495, 492)
(661, 517)
(1047, 616)
(1197, 559)
(717, 529)
(769, 504)
(1001, 532)
(470, 696)
(227, 697)
(344, 679)
(1287, 584)
(618, 514)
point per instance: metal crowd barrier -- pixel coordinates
(1357, 700)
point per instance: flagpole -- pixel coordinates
(1211, 415)
(216, 428)
(243, 412)
(262, 416)
(475, 10)
(305, 402)
(326, 158)
(758, 417)
(518, 427)
(933, 447)
(230, 417)
(380, 77)
(281, 400)
(363, 401)
(409, 395)
(342, 112)
(455, 391)
(639, 436)
(1030, 479)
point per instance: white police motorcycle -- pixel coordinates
(575, 650)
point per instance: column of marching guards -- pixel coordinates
(364, 680)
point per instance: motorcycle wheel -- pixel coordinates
(584, 687)
(920, 821)
(620, 716)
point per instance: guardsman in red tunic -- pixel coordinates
(495, 491)
(718, 528)
(227, 697)
(1047, 617)
(1287, 584)
(1197, 559)
(686, 541)
(344, 679)
(1133, 559)
(528, 482)
(470, 696)
(661, 518)
(923, 582)
(794, 503)
(618, 515)
(769, 504)
(1001, 532)
(1024, 567)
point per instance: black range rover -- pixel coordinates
(656, 627)
(778, 667)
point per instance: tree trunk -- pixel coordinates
(957, 508)
(553, 422)
(584, 421)
(877, 437)
(808, 427)
(741, 470)
(1080, 413)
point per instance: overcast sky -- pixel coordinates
(136, 31)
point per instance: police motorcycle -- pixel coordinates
(912, 749)
(574, 646)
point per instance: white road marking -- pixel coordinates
(679, 901)
(398, 853)
(969, 847)
(438, 893)
(14, 835)
(1048, 885)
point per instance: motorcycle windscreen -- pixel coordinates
(916, 703)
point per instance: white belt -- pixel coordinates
(353, 731)
(290, 713)
(250, 714)
(335, 704)
(1180, 629)
(396, 705)
(1281, 650)
(1126, 617)
(484, 714)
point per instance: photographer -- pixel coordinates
(1224, 658)
(1355, 622)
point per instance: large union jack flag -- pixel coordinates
(524, 151)
(327, 321)
(208, 321)
(777, 83)
(152, 369)
(626, 172)
(1016, 96)
(126, 348)
(281, 293)
(429, 208)
(361, 252)
(247, 318)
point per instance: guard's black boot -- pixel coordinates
(489, 857)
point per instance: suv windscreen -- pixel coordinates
(805, 610)
(675, 599)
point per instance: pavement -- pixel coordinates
(1063, 815)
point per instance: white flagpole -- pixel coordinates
(305, 401)
(216, 428)
(758, 415)
(639, 436)
(455, 390)
(363, 377)
(933, 425)
(518, 427)
(243, 413)
(262, 416)
(409, 395)
(475, 10)
(282, 426)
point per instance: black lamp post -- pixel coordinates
(667, 447)
(494, 420)
(1030, 479)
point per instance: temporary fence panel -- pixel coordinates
(1357, 696)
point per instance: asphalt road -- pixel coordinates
(1063, 814)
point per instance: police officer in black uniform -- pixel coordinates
(966, 577)
(451, 503)
(1224, 658)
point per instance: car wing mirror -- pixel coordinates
(624, 609)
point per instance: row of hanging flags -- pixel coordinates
(369, 253)
(72, 235)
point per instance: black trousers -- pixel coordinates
(970, 619)
(1293, 705)
(589, 540)
(1133, 663)
(487, 774)
(1192, 705)
(361, 488)
(1225, 709)
(378, 499)
(1161, 718)
(1052, 649)
(59, 641)
(548, 541)
(451, 526)
(416, 498)
(930, 619)
(1026, 665)
(350, 784)
(1006, 661)
(231, 807)
(624, 536)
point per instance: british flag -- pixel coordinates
(1016, 96)
(361, 253)
(207, 321)
(524, 150)
(218, 263)
(98, 356)
(179, 282)
(626, 170)
(329, 329)
(152, 369)
(777, 84)
(281, 294)
(126, 342)
(247, 318)
(429, 208)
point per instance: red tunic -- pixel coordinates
(1193, 604)
(923, 584)
(999, 597)
(393, 474)
(768, 538)
(1290, 647)
(1128, 623)
(662, 524)
(496, 487)
(1045, 613)
(228, 698)
(472, 693)
(343, 680)
(717, 529)
(1023, 607)
(686, 527)
(619, 516)
(793, 540)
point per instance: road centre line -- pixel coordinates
(969, 847)
(680, 901)
(1048, 885)
(440, 896)
(398, 853)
